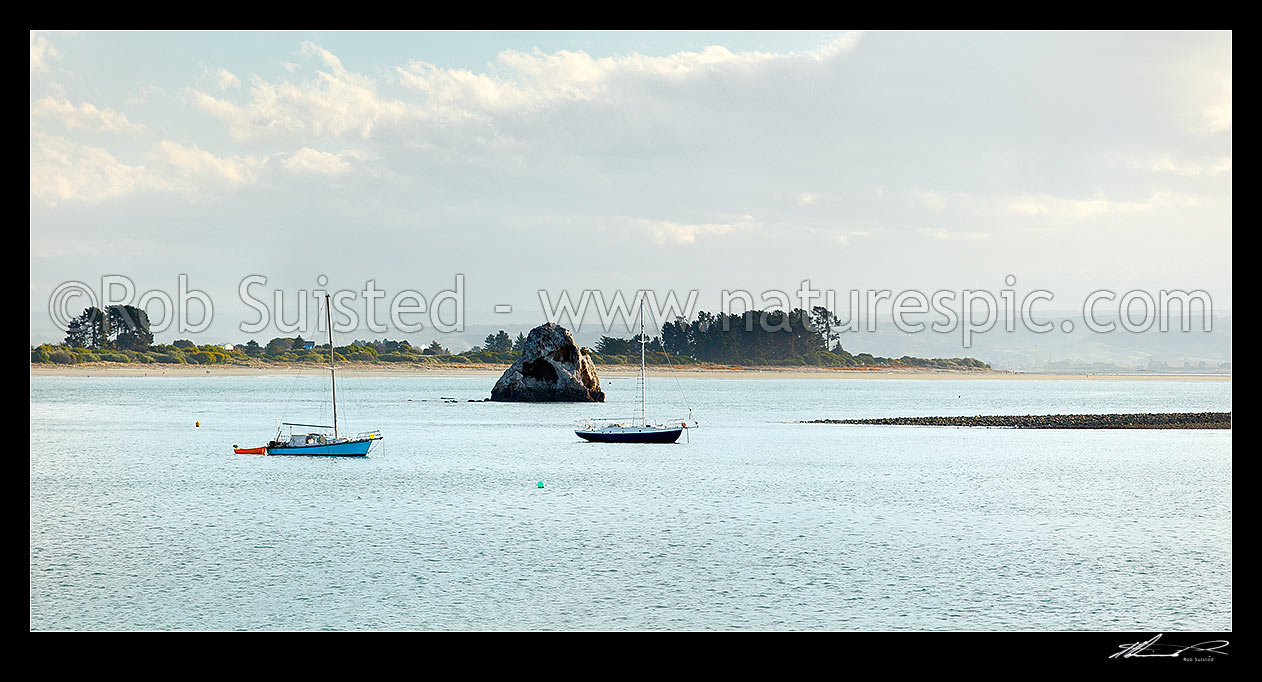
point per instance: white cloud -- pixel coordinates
(338, 102)
(666, 231)
(1188, 169)
(934, 201)
(86, 116)
(41, 52)
(1217, 111)
(224, 79)
(669, 232)
(52, 245)
(200, 166)
(836, 47)
(307, 160)
(953, 235)
(532, 79)
(843, 237)
(309, 49)
(1041, 205)
(673, 232)
(1218, 114)
(63, 170)
(335, 102)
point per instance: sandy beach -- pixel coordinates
(123, 370)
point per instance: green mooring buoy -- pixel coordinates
(540, 484)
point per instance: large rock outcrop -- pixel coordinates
(551, 369)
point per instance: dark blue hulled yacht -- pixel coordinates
(620, 431)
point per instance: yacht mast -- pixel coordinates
(332, 372)
(643, 385)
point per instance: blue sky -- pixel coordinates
(619, 161)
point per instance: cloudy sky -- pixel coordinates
(621, 161)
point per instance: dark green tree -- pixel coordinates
(279, 345)
(609, 345)
(498, 343)
(128, 328)
(675, 337)
(653, 344)
(825, 323)
(87, 330)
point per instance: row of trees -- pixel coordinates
(118, 327)
(758, 337)
(608, 345)
(283, 350)
(762, 337)
(156, 354)
(502, 342)
(765, 337)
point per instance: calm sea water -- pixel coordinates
(140, 520)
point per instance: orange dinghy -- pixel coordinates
(249, 451)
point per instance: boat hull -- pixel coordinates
(642, 435)
(250, 451)
(353, 448)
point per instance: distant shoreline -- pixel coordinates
(110, 369)
(1143, 420)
